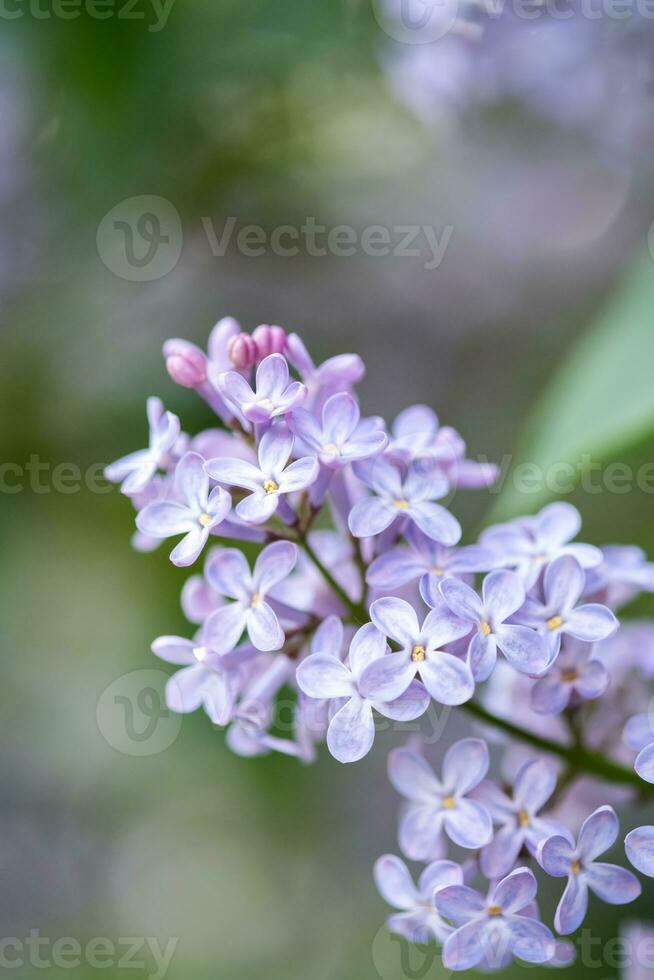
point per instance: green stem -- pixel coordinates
(356, 609)
(577, 757)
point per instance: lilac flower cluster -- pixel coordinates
(360, 602)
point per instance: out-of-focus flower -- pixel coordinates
(573, 675)
(135, 471)
(418, 919)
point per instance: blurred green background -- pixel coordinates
(269, 113)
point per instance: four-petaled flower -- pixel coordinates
(138, 468)
(573, 675)
(418, 919)
(427, 558)
(518, 816)
(502, 595)
(351, 731)
(411, 499)
(490, 928)
(448, 679)
(275, 394)
(228, 573)
(195, 514)
(268, 481)
(341, 436)
(561, 857)
(437, 805)
(559, 614)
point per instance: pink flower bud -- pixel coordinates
(269, 340)
(185, 363)
(243, 351)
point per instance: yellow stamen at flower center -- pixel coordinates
(331, 448)
(267, 404)
(437, 570)
(485, 628)
(200, 653)
(494, 910)
(205, 519)
(400, 504)
(570, 676)
(555, 622)
(449, 803)
(418, 653)
(255, 600)
(523, 818)
(270, 486)
(575, 867)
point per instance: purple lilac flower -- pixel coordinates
(639, 736)
(574, 676)
(409, 499)
(624, 573)
(228, 573)
(639, 846)
(448, 679)
(559, 614)
(209, 678)
(441, 805)
(530, 543)
(351, 731)
(135, 471)
(427, 558)
(249, 735)
(502, 595)
(418, 919)
(490, 928)
(274, 395)
(561, 857)
(195, 514)
(517, 815)
(340, 436)
(271, 480)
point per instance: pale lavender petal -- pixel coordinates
(563, 583)
(174, 650)
(587, 555)
(464, 949)
(437, 875)
(381, 476)
(638, 732)
(571, 910)
(299, 475)
(263, 627)
(387, 678)
(351, 731)
(417, 421)
(394, 883)
(395, 568)
(218, 506)
(273, 565)
(612, 884)
(341, 370)
(324, 676)
(228, 572)
(272, 376)
(419, 833)
(503, 594)
(448, 680)
(412, 776)
(364, 444)
(274, 449)
(498, 857)
(534, 784)
(468, 824)
(235, 472)
(465, 765)
(367, 644)
(409, 706)
(598, 833)
(425, 481)
(549, 695)
(515, 891)
(397, 619)
(442, 626)
(189, 548)
(328, 638)
(591, 623)
(340, 417)
(482, 656)
(371, 516)
(532, 940)
(163, 519)
(524, 648)
(235, 388)
(184, 690)
(555, 855)
(644, 764)
(459, 904)
(258, 507)
(639, 845)
(224, 627)
(191, 481)
(219, 698)
(291, 398)
(436, 522)
(462, 600)
(559, 522)
(593, 680)
(304, 425)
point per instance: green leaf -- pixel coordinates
(599, 403)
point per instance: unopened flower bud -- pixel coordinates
(269, 340)
(185, 363)
(243, 351)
